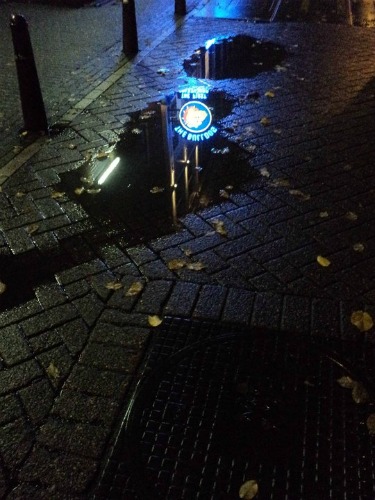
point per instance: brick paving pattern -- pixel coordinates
(69, 354)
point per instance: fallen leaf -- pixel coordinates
(53, 371)
(219, 227)
(323, 215)
(134, 289)
(264, 172)
(176, 264)
(280, 183)
(265, 121)
(113, 285)
(229, 187)
(277, 131)
(24, 133)
(136, 131)
(300, 194)
(351, 216)
(93, 191)
(359, 393)
(323, 261)
(32, 228)
(20, 194)
(156, 189)
(102, 155)
(57, 194)
(358, 247)
(187, 252)
(362, 320)
(370, 422)
(346, 382)
(154, 320)
(249, 490)
(79, 190)
(279, 68)
(72, 146)
(195, 266)
(3, 287)
(223, 193)
(270, 94)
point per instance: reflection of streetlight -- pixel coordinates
(109, 170)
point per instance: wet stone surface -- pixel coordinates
(237, 57)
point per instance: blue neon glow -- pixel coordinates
(209, 43)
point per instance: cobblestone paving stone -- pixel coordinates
(69, 354)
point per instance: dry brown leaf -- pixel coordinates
(176, 264)
(154, 320)
(362, 320)
(346, 382)
(358, 247)
(134, 289)
(249, 490)
(156, 189)
(3, 287)
(195, 266)
(351, 216)
(219, 227)
(265, 121)
(323, 261)
(79, 190)
(113, 285)
(359, 393)
(32, 228)
(223, 193)
(57, 194)
(323, 215)
(270, 94)
(264, 172)
(300, 194)
(53, 371)
(370, 422)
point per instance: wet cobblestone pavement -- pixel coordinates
(75, 328)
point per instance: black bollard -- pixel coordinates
(180, 7)
(34, 114)
(129, 28)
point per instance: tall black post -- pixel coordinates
(180, 7)
(34, 114)
(129, 28)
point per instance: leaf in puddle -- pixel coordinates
(3, 287)
(113, 285)
(57, 194)
(102, 155)
(323, 261)
(154, 320)
(351, 216)
(280, 183)
(300, 194)
(53, 371)
(265, 121)
(358, 247)
(346, 382)
(370, 422)
(270, 94)
(79, 190)
(32, 228)
(176, 264)
(156, 189)
(323, 215)
(93, 191)
(362, 320)
(359, 393)
(195, 266)
(264, 172)
(229, 187)
(219, 227)
(249, 490)
(223, 194)
(134, 289)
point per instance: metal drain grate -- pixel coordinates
(262, 406)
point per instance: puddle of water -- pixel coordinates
(236, 57)
(171, 160)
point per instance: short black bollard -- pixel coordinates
(34, 114)
(129, 28)
(180, 7)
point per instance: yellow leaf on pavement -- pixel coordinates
(300, 194)
(358, 247)
(323, 261)
(156, 189)
(32, 228)
(79, 190)
(249, 490)
(270, 94)
(351, 216)
(135, 289)
(223, 193)
(154, 320)
(113, 285)
(176, 264)
(346, 382)
(53, 371)
(265, 121)
(362, 320)
(57, 194)
(359, 393)
(219, 227)
(195, 266)
(264, 172)
(323, 215)
(3, 287)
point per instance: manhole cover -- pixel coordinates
(262, 406)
